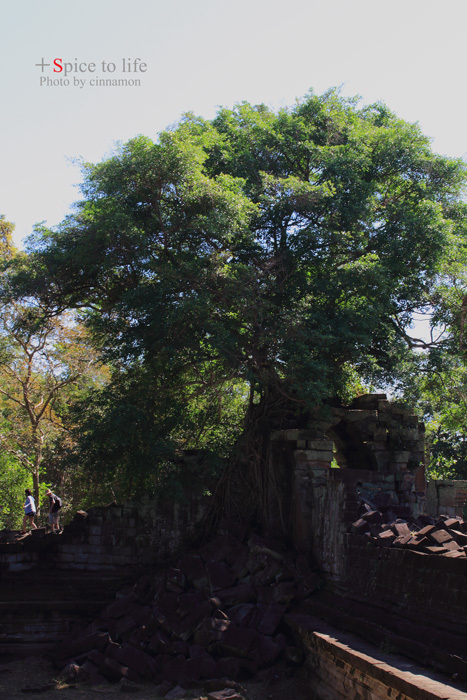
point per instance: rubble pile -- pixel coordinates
(443, 536)
(217, 613)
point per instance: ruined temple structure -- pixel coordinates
(367, 583)
(374, 446)
(395, 573)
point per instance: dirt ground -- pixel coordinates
(36, 676)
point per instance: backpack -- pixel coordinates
(57, 504)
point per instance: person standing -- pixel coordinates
(54, 506)
(29, 511)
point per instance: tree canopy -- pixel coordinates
(284, 251)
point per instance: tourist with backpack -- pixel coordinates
(55, 504)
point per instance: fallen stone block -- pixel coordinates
(176, 693)
(125, 626)
(243, 593)
(195, 571)
(452, 546)
(372, 516)
(178, 647)
(89, 671)
(190, 623)
(176, 580)
(173, 669)
(265, 651)
(167, 606)
(271, 619)
(440, 537)
(458, 536)
(132, 658)
(113, 670)
(162, 689)
(402, 540)
(426, 530)
(160, 642)
(196, 650)
(433, 549)
(226, 694)
(220, 548)
(268, 573)
(96, 657)
(120, 606)
(263, 545)
(419, 543)
(264, 594)
(400, 529)
(376, 528)
(237, 641)
(71, 672)
(283, 593)
(241, 615)
(239, 567)
(385, 538)
(188, 601)
(449, 523)
(82, 645)
(360, 526)
(226, 667)
(202, 666)
(220, 576)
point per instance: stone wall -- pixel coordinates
(110, 538)
(374, 446)
(344, 667)
(48, 582)
(367, 462)
(447, 497)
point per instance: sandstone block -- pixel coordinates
(226, 694)
(271, 618)
(243, 593)
(263, 545)
(220, 576)
(440, 537)
(314, 455)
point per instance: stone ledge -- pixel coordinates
(361, 666)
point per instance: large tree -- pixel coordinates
(280, 249)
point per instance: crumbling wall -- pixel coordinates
(48, 581)
(447, 497)
(370, 452)
(359, 491)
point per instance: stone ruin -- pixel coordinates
(360, 553)
(216, 613)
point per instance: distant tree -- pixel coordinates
(435, 379)
(6, 237)
(40, 356)
(13, 481)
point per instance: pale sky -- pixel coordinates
(199, 55)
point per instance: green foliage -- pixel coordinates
(13, 481)
(448, 453)
(284, 252)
